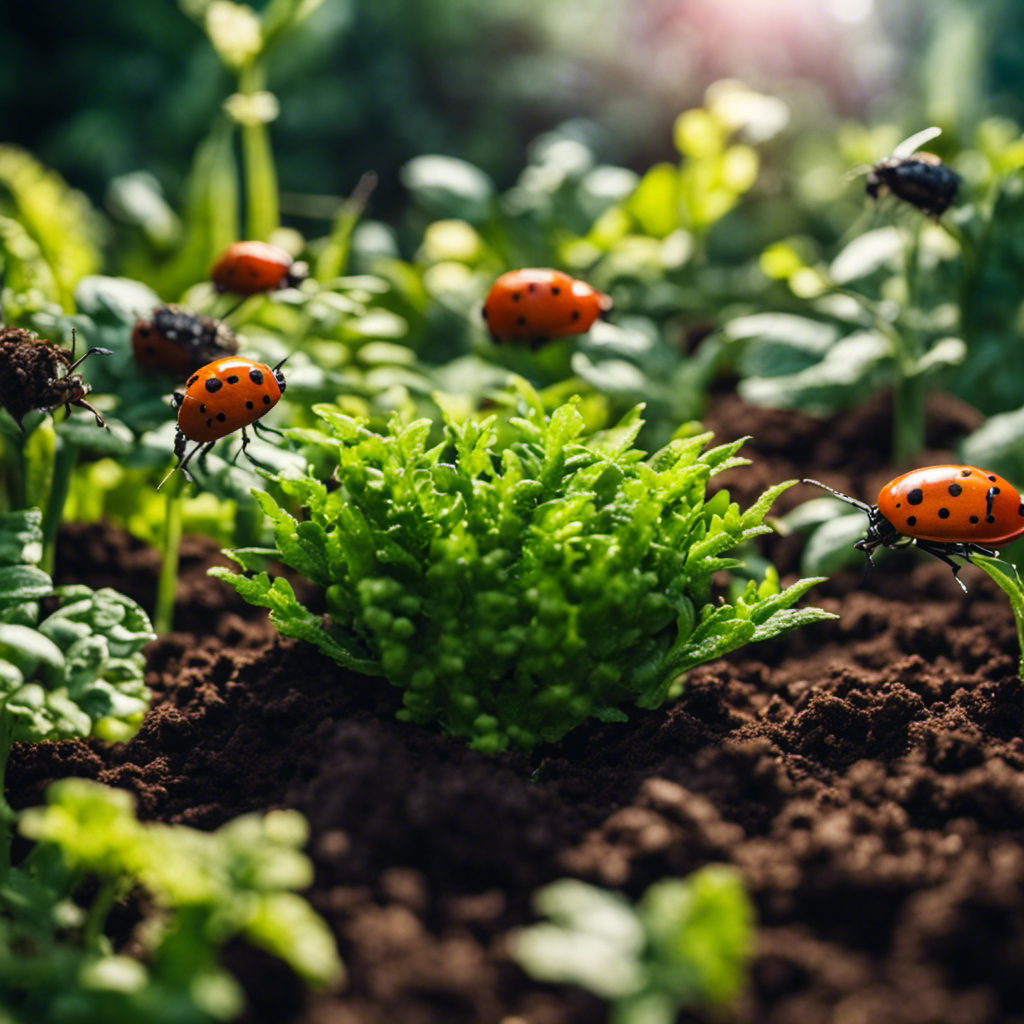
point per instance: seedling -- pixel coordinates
(685, 944)
(204, 889)
(512, 594)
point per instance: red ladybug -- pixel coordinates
(178, 341)
(248, 268)
(227, 395)
(536, 304)
(944, 510)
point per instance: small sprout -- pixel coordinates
(37, 374)
(685, 944)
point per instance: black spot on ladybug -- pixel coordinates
(531, 287)
(1020, 510)
(521, 320)
(209, 423)
(202, 408)
(575, 314)
(974, 519)
(221, 417)
(965, 472)
(232, 379)
(899, 504)
(911, 520)
(516, 296)
(214, 384)
(555, 290)
(916, 496)
(943, 513)
(992, 478)
(249, 405)
(143, 331)
(192, 380)
(256, 376)
(955, 490)
(266, 399)
(150, 351)
(990, 519)
(254, 272)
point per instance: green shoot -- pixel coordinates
(685, 944)
(208, 887)
(1010, 584)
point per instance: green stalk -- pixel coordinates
(163, 615)
(64, 462)
(102, 903)
(909, 389)
(7, 815)
(264, 216)
(1013, 588)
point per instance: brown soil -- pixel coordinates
(866, 775)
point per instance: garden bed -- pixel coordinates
(866, 775)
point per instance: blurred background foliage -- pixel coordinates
(696, 159)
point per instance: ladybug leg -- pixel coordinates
(258, 427)
(204, 450)
(944, 551)
(180, 441)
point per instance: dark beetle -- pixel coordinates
(920, 179)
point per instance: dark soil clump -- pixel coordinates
(866, 776)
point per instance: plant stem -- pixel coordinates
(909, 388)
(1013, 588)
(260, 174)
(103, 901)
(163, 614)
(64, 462)
(7, 815)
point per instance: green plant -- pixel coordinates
(203, 888)
(684, 944)
(69, 669)
(514, 593)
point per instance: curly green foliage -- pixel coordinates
(208, 887)
(76, 671)
(685, 944)
(512, 595)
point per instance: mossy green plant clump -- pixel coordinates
(514, 592)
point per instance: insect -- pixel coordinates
(228, 394)
(536, 305)
(944, 510)
(248, 268)
(178, 341)
(920, 179)
(37, 374)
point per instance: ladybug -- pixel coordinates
(920, 179)
(536, 304)
(178, 341)
(944, 510)
(226, 395)
(247, 268)
(37, 374)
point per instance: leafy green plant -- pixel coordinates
(684, 944)
(514, 593)
(204, 889)
(72, 669)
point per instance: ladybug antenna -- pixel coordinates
(283, 361)
(856, 503)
